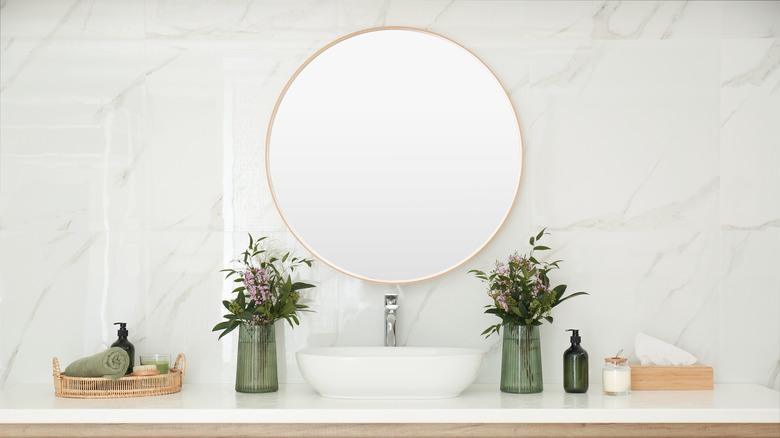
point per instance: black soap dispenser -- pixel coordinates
(124, 344)
(575, 365)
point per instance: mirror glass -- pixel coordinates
(394, 155)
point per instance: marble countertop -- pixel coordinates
(298, 403)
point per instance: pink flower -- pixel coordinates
(257, 319)
(257, 283)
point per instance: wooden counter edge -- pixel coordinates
(432, 430)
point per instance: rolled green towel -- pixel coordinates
(111, 364)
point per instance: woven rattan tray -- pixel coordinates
(127, 386)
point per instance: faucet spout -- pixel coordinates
(391, 309)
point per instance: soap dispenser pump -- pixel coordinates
(575, 365)
(124, 344)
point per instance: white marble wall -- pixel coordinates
(131, 169)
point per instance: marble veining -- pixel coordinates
(443, 11)
(45, 291)
(35, 52)
(117, 100)
(132, 168)
(759, 227)
(663, 214)
(601, 19)
(581, 64)
(761, 72)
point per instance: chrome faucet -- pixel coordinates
(391, 307)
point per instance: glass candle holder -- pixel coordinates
(616, 376)
(161, 361)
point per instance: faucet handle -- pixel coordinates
(391, 301)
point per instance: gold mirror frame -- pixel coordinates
(313, 251)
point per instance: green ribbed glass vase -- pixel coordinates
(256, 367)
(521, 360)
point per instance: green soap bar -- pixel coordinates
(162, 366)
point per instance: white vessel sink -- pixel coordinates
(389, 372)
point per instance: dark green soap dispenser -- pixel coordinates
(575, 365)
(124, 344)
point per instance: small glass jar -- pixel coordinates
(161, 361)
(616, 376)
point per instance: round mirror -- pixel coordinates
(394, 155)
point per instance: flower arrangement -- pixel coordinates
(266, 292)
(521, 290)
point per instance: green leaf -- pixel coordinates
(531, 241)
(541, 233)
(479, 274)
(233, 324)
(299, 286)
(250, 240)
(285, 257)
(570, 296)
(229, 272)
(492, 329)
(522, 309)
(549, 319)
(221, 326)
(541, 248)
(226, 303)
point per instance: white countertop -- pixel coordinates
(298, 403)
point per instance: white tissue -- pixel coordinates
(652, 351)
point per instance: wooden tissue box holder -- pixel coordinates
(658, 377)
